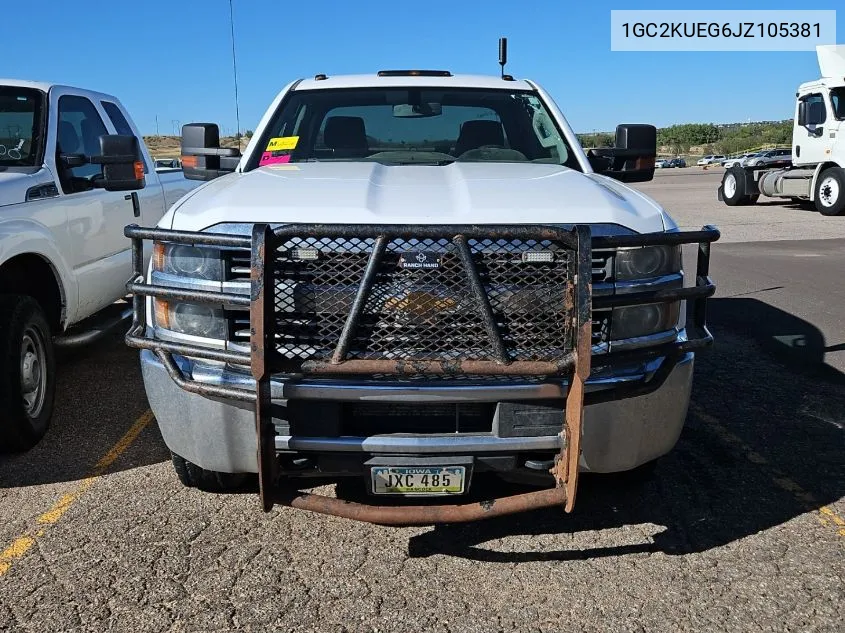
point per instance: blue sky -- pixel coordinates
(172, 59)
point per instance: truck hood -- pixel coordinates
(15, 184)
(458, 193)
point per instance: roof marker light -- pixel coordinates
(414, 73)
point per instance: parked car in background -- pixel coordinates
(710, 159)
(663, 162)
(737, 160)
(771, 157)
(677, 162)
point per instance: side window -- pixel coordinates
(120, 123)
(837, 100)
(80, 128)
(118, 120)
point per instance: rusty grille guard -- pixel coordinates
(264, 359)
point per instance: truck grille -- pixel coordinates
(327, 292)
(418, 309)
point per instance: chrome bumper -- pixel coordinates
(619, 434)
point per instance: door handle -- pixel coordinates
(797, 151)
(136, 204)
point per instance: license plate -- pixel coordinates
(422, 480)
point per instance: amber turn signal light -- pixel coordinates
(162, 313)
(158, 256)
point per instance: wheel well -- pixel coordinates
(818, 173)
(32, 275)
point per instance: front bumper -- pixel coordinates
(620, 431)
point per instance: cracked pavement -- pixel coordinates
(730, 533)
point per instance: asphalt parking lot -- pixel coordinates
(742, 527)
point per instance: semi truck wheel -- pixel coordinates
(192, 476)
(733, 188)
(27, 373)
(830, 191)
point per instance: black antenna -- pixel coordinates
(503, 53)
(235, 72)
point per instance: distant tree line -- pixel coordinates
(724, 139)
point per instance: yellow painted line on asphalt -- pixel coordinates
(825, 514)
(23, 543)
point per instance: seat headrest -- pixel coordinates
(345, 132)
(474, 134)
(91, 136)
(68, 138)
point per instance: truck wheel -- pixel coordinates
(27, 373)
(733, 189)
(192, 476)
(830, 191)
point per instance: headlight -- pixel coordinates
(196, 262)
(194, 319)
(648, 261)
(633, 321)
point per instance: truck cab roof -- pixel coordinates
(394, 79)
(46, 86)
(823, 82)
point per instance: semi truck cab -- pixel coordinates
(816, 175)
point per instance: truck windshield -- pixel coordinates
(407, 126)
(20, 126)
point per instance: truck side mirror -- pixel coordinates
(802, 113)
(632, 159)
(202, 156)
(123, 169)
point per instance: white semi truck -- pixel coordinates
(817, 172)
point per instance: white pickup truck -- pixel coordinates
(63, 257)
(415, 279)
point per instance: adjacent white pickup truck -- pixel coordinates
(63, 256)
(413, 278)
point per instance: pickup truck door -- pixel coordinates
(100, 254)
(148, 204)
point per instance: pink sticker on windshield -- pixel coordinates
(274, 158)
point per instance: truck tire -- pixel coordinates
(733, 188)
(830, 191)
(192, 476)
(27, 373)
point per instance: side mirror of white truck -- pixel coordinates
(632, 158)
(802, 113)
(202, 156)
(123, 169)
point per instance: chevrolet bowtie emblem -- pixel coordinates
(423, 306)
